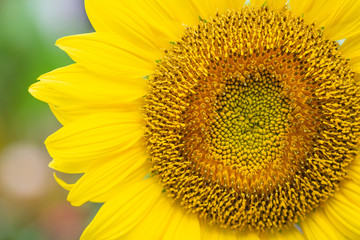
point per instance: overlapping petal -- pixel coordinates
(287, 234)
(109, 55)
(354, 170)
(105, 176)
(97, 137)
(156, 221)
(340, 19)
(274, 4)
(166, 220)
(209, 232)
(123, 212)
(318, 226)
(351, 50)
(184, 226)
(208, 8)
(74, 92)
(343, 210)
(153, 25)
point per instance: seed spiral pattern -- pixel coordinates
(252, 119)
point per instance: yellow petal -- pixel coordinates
(62, 117)
(181, 12)
(184, 226)
(156, 222)
(213, 232)
(123, 212)
(69, 113)
(339, 18)
(354, 173)
(208, 8)
(74, 92)
(187, 227)
(350, 190)
(104, 176)
(96, 137)
(344, 211)
(62, 183)
(355, 64)
(100, 52)
(110, 17)
(315, 11)
(133, 178)
(287, 234)
(318, 226)
(354, 170)
(151, 24)
(274, 4)
(351, 47)
(166, 221)
(74, 84)
(351, 50)
(345, 21)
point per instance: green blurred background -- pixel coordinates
(32, 205)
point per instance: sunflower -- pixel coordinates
(204, 119)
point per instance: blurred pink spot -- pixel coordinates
(61, 221)
(23, 171)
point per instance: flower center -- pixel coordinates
(252, 119)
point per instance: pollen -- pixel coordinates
(252, 118)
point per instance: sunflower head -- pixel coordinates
(243, 111)
(248, 118)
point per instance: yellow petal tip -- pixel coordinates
(62, 183)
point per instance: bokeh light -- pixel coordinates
(23, 173)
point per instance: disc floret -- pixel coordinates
(252, 119)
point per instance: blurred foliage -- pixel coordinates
(24, 56)
(26, 51)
